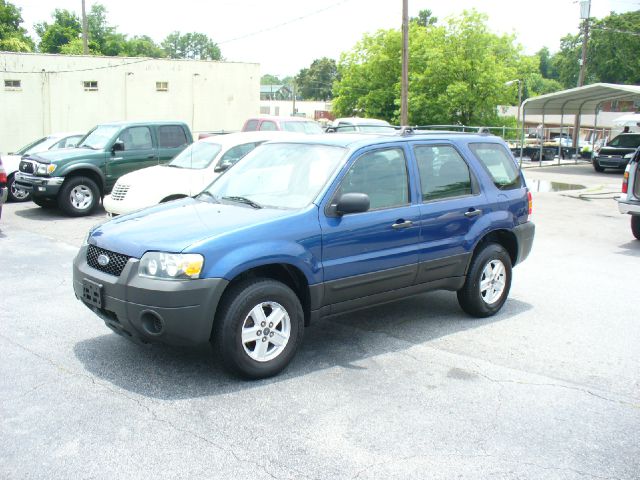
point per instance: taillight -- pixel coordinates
(530, 198)
(625, 181)
(3, 178)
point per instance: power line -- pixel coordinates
(274, 27)
(83, 69)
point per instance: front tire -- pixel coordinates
(259, 325)
(635, 226)
(597, 167)
(15, 193)
(488, 282)
(78, 196)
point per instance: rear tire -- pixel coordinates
(15, 193)
(78, 196)
(635, 226)
(258, 327)
(488, 282)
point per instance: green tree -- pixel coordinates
(268, 79)
(425, 18)
(103, 37)
(65, 28)
(457, 73)
(316, 82)
(195, 46)
(13, 37)
(547, 69)
(142, 46)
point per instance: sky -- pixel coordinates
(284, 36)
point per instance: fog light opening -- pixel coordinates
(152, 323)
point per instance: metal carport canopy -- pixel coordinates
(576, 101)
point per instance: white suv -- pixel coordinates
(629, 202)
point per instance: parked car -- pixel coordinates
(186, 175)
(617, 152)
(55, 141)
(304, 228)
(3, 186)
(363, 125)
(76, 179)
(629, 202)
(285, 124)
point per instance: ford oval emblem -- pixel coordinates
(103, 260)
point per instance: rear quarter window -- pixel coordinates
(499, 163)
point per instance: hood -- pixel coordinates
(618, 151)
(62, 154)
(174, 226)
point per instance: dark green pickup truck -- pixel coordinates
(76, 178)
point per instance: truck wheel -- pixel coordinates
(78, 196)
(259, 325)
(17, 194)
(635, 226)
(597, 167)
(488, 282)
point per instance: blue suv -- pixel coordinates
(308, 227)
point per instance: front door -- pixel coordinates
(139, 152)
(375, 251)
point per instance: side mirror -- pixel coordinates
(353, 203)
(118, 146)
(222, 166)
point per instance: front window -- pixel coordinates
(278, 175)
(99, 137)
(301, 127)
(136, 138)
(625, 141)
(197, 155)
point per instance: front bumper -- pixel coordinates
(150, 310)
(39, 186)
(611, 162)
(122, 207)
(524, 235)
(629, 206)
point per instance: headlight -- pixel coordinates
(171, 266)
(46, 169)
(630, 155)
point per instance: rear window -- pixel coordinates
(171, 136)
(499, 163)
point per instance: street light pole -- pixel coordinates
(404, 103)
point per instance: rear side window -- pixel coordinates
(499, 163)
(443, 172)
(171, 136)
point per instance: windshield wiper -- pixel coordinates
(244, 200)
(172, 165)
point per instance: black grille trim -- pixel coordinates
(26, 167)
(116, 264)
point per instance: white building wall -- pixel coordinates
(206, 95)
(285, 107)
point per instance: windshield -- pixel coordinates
(197, 155)
(301, 127)
(32, 147)
(99, 137)
(625, 141)
(279, 175)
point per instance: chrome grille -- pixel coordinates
(27, 166)
(119, 192)
(116, 262)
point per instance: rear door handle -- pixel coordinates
(402, 224)
(473, 213)
(151, 156)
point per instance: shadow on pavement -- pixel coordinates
(53, 213)
(170, 373)
(631, 248)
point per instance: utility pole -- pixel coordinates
(85, 33)
(585, 12)
(404, 103)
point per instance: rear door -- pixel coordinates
(375, 251)
(172, 139)
(139, 152)
(451, 202)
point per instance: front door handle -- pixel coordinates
(473, 213)
(151, 156)
(402, 224)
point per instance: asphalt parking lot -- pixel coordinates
(547, 389)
